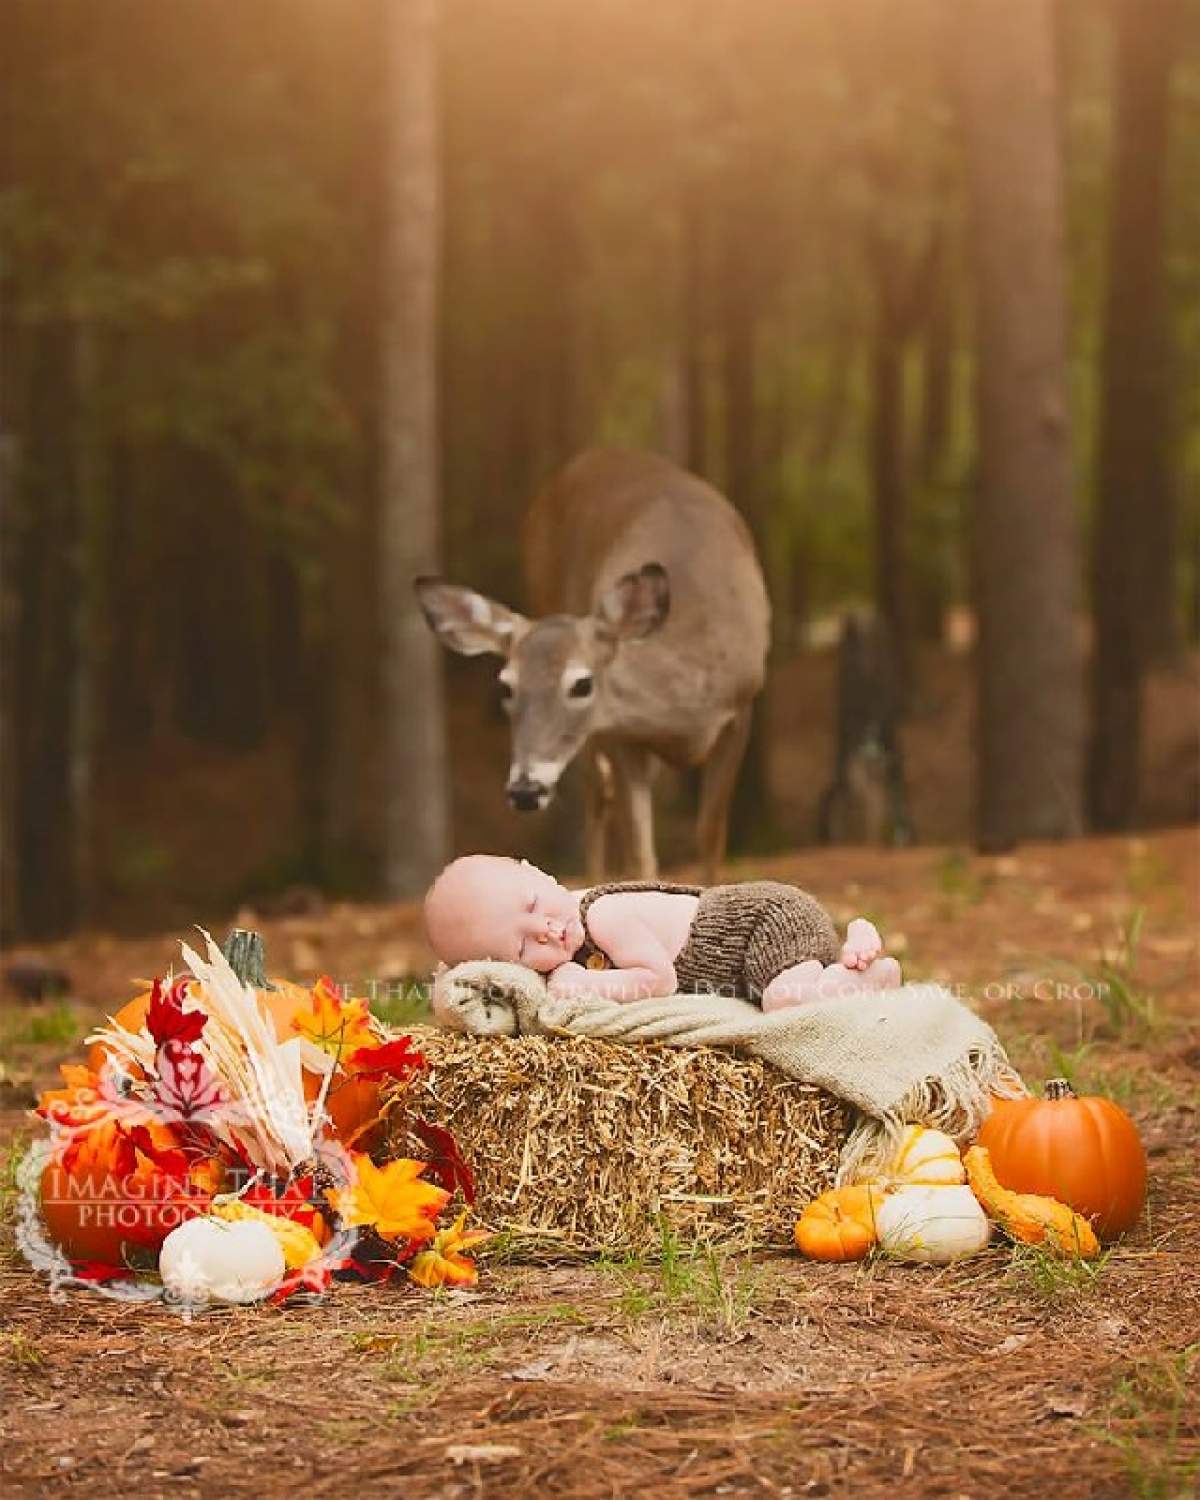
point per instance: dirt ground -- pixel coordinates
(697, 1375)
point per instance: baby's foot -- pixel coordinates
(883, 974)
(799, 985)
(863, 944)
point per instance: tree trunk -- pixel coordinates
(1029, 672)
(751, 818)
(889, 484)
(937, 364)
(415, 796)
(694, 318)
(1133, 556)
(88, 623)
(10, 913)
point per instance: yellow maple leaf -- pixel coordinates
(390, 1199)
(444, 1262)
(339, 1027)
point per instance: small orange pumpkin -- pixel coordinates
(1086, 1152)
(840, 1224)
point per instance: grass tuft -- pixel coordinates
(1149, 1422)
(1052, 1275)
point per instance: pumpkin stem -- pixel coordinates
(247, 958)
(1059, 1088)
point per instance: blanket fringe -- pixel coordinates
(957, 1102)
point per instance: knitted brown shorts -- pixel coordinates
(741, 937)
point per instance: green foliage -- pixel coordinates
(402, 1002)
(56, 1027)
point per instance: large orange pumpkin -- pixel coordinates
(352, 1103)
(1086, 1152)
(95, 1213)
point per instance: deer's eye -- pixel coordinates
(506, 691)
(581, 688)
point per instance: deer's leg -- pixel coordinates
(635, 773)
(716, 791)
(597, 813)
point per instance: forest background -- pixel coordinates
(917, 285)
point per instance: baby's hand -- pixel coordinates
(863, 944)
(569, 980)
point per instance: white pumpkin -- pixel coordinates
(935, 1224)
(212, 1260)
(925, 1158)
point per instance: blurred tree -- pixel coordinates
(10, 883)
(1030, 725)
(415, 795)
(1134, 542)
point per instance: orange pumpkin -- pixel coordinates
(840, 1224)
(1086, 1152)
(353, 1104)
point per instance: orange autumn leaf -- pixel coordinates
(339, 1027)
(444, 1263)
(390, 1199)
(80, 1104)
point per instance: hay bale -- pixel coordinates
(582, 1146)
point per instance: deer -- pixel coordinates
(648, 645)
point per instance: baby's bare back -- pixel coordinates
(667, 914)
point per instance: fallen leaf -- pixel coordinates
(1071, 1404)
(481, 1453)
(540, 1369)
(1012, 1342)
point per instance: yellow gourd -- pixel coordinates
(925, 1158)
(1026, 1216)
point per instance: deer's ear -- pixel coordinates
(636, 604)
(465, 621)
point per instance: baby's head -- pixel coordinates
(486, 906)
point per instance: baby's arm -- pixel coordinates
(643, 966)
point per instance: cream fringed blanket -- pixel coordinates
(912, 1055)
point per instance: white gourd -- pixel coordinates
(212, 1260)
(934, 1224)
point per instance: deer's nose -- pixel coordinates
(527, 795)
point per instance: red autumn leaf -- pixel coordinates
(186, 1086)
(169, 1159)
(106, 1148)
(398, 1059)
(447, 1165)
(98, 1271)
(313, 1280)
(166, 1019)
(294, 1201)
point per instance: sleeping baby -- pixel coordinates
(760, 940)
